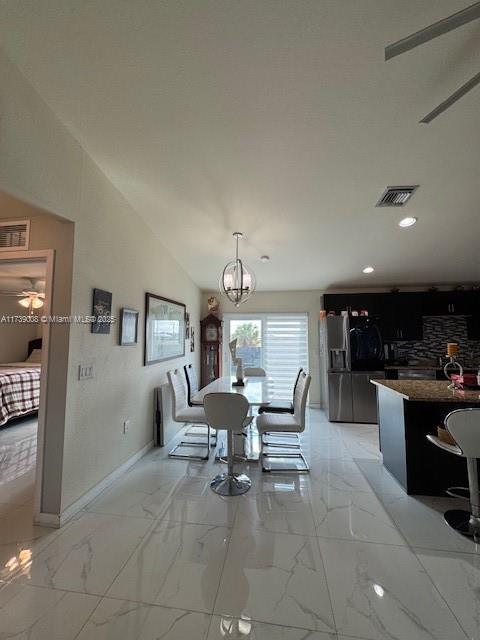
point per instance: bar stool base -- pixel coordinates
(226, 485)
(461, 521)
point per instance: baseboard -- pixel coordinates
(56, 521)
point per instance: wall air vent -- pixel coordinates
(14, 235)
(396, 196)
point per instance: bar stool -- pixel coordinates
(228, 411)
(464, 427)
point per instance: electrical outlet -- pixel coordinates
(86, 371)
(126, 426)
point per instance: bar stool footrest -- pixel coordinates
(461, 521)
(463, 493)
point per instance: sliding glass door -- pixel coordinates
(277, 342)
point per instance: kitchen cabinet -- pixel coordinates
(473, 321)
(402, 317)
(448, 303)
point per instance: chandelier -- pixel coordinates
(237, 281)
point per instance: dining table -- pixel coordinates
(256, 390)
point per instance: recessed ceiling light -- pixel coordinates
(368, 270)
(407, 222)
(265, 258)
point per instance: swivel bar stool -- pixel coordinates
(228, 411)
(464, 427)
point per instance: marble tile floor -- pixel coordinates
(338, 554)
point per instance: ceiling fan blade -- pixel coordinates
(459, 93)
(433, 31)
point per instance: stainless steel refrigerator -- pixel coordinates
(352, 354)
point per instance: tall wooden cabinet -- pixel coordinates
(211, 349)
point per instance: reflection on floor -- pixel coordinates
(341, 553)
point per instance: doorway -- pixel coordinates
(25, 303)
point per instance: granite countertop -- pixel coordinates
(429, 391)
(422, 367)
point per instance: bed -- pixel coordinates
(20, 385)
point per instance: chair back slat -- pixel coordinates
(179, 391)
(192, 382)
(300, 398)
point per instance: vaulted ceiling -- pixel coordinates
(278, 119)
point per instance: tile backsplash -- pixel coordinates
(437, 331)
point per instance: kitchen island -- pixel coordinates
(407, 411)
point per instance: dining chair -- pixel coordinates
(257, 372)
(186, 415)
(281, 406)
(200, 431)
(229, 412)
(285, 423)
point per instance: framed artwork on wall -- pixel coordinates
(128, 327)
(164, 329)
(187, 326)
(192, 340)
(101, 311)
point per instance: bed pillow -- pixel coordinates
(35, 356)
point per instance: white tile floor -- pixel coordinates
(339, 554)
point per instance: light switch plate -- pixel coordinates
(86, 371)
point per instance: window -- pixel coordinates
(278, 342)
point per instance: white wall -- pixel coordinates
(280, 302)
(41, 163)
(14, 338)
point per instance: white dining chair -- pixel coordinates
(229, 412)
(284, 423)
(256, 372)
(186, 415)
(196, 430)
(464, 427)
(281, 406)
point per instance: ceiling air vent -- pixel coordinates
(396, 196)
(14, 235)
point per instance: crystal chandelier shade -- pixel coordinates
(237, 281)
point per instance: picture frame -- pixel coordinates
(192, 340)
(164, 329)
(187, 326)
(128, 333)
(101, 311)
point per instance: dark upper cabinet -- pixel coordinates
(402, 317)
(399, 314)
(449, 303)
(473, 321)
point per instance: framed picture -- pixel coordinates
(101, 311)
(192, 340)
(164, 329)
(187, 326)
(128, 327)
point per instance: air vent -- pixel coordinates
(14, 235)
(396, 196)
